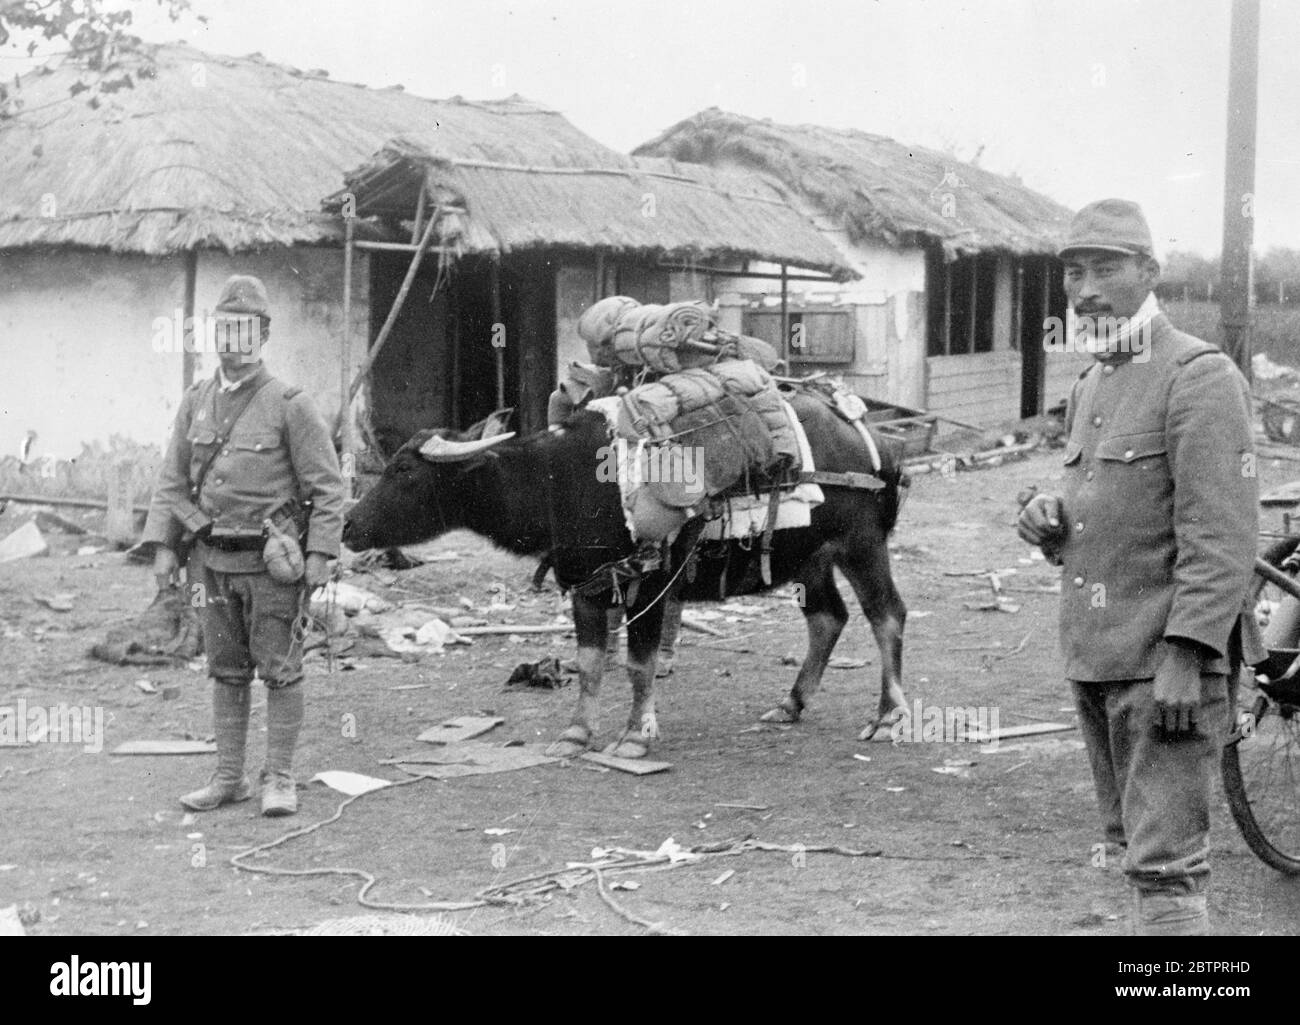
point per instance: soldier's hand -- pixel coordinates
(164, 565)
(317, 573)
(1178, 689)
(1042, 520)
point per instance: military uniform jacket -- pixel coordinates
(280, 448)
(1161, 507)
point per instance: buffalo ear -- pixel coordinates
(490, 426)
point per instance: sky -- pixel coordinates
(1082, 100)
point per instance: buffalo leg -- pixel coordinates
(869, 572)
(824, 615)
(644, 627)
(591, 626)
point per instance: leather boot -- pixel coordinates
(1160, 914)
(284, 713)
(230, 703)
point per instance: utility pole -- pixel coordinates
(1236, 300)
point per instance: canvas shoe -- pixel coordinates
(279, 794)
(216, 793)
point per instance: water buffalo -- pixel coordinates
(541, 493)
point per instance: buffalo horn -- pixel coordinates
(440, 450)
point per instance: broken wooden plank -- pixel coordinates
(463, 727)
(474, 760)
(1029, 730)
(485, 631)
(165, 747)
(636, 766)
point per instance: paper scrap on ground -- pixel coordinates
(475, 759)
(26, 540)
(350, 783)
(636, 766)
(461, 728)
(10, 923)
(165, 747)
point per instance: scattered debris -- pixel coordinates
(56, 602)
(146, 686)
(461, 728)
(52, 521)
(546, 674)
(742, 807)
(625, 884)
(498, 831)
(350, 783)
(842, 662)
(165, 747)
(724, 877)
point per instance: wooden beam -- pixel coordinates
(384, 331)
(419, 216)
(400, 247)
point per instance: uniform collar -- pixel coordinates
(227, 386)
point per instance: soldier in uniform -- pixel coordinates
(1155, 531)
(248, 455)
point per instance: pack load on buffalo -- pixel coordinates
(702, 419)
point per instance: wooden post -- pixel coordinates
(498, 331)
(188, 342)
(119, 525)
(347, 440)
(453, 301)
(785, 319)
(1239, 183)
(947, 305)
(972, 315)
(384, 331)
(598, 292)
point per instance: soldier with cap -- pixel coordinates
(250, 474)
(1155, 532)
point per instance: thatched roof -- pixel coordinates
(238, 152)
(874, 187)
(588, 200)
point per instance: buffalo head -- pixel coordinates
(416, 499)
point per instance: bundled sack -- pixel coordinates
(747, 378)
(666, 339)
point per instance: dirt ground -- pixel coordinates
(996, 844)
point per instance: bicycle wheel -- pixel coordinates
(1261, 763)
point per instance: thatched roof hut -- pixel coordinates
(236, 153)
(875, 187)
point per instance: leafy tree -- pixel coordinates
(95, 34)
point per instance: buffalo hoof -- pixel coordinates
(573, 742)
(629, 745)
(784, 712)
(887, 719)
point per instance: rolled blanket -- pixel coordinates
(597, 324)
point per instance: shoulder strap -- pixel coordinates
(241, 405)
